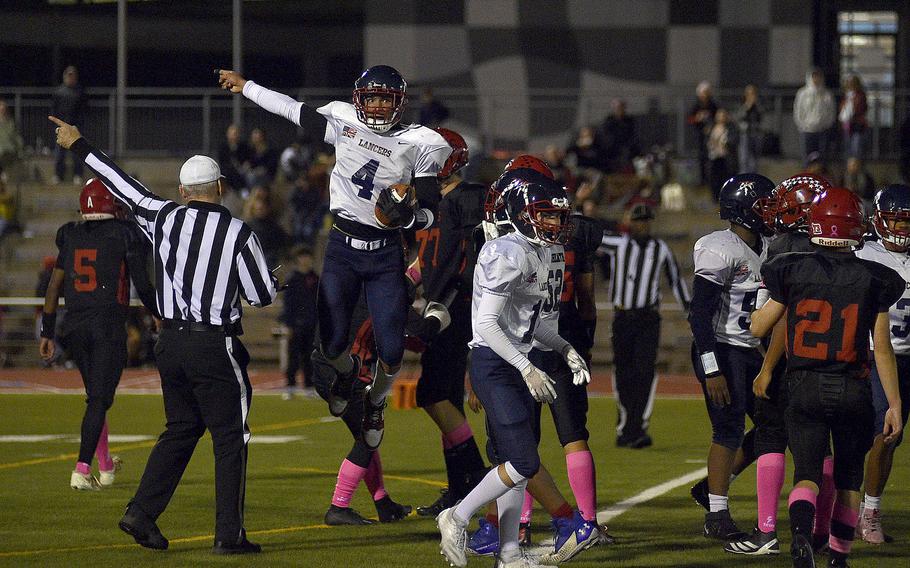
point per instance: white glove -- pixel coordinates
(438, 311)
(580, 374)
(762, 297)
(539, 383)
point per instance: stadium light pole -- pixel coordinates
(121, 76)
(238, 59)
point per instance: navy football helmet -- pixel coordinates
(495, 202)
(892, 204)
(743, 200)
(539, 210)
(385, 82)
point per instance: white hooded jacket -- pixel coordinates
(813, 109)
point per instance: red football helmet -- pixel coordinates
(459, 156)
(96, 202)
(836, 218)
(788, 208)
(527, 161)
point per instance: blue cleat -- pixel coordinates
(572, 537)
(485, 540)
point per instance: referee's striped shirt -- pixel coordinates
(635, 272)
(205, 260)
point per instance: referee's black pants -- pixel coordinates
(205, 386)
(636, 335)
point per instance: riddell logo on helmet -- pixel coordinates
(831, 242)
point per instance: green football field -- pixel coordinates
(290, 480)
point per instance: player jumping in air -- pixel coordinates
(373, 151)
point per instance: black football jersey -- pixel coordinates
(445, 249)
(97, 258)
(790, 242)
(832, 299)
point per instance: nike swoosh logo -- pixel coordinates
(402, 142)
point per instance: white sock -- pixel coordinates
(872, 502)
(509, 508)
(489, 489)
(382, 384)
(717, 502)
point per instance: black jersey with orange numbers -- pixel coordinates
(790, 242)
(445, 249)
(98, 258)
(832, 299)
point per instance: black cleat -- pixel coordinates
(820, 543)
(840, 562)
(342, 388)
(337, 516)
(142, 528)
(699, 492)
(757, 544)
(389, 511)
(446, 500)
(604, 538)
(643, 441)
(801, 552)
(720, 526)
(242, 547)
(372, 425)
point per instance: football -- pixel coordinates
(401, 192)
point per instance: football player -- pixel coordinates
(832, 301)
(787, 212)
(96, 259)
(447, 259)
(373, 151)
(514, 278)
(724, 354)
(891, 221)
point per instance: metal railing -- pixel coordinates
(181, 121)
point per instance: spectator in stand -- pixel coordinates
(308, 208)
(295, 160)
(813, 113)
(619, 139)
(432, 112)
(816, 165)
(584, 154)
(299, 315)
(69, 104)
(905, 150)
(748, 119)
(701, 116)
(720, 143)
(234, 159)
(263, 160)
(852, 117)
(272, 237)
(10, 143)
(858, 180)
(556, 159)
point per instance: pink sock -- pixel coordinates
(457, 436)
(582, 480)
(349, 476)
(847, 517)
(84, 468)
(526, 508)
(102, 453)
(373, 478)
(826, 494)
(768, 483)
(802, 494)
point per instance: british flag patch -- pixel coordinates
(349, 131)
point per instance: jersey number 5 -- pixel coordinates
(821, 324)
(86, 280)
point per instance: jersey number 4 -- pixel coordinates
(86, 279)
(817, 320)
(363, 178)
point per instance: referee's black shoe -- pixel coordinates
(242, 547)
(342, 387)
(142, 528)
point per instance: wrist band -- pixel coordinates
(48, 323)
(709, 363)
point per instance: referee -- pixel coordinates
(636, 261)
(205, 260)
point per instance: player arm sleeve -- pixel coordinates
(671, 268)
(427, 190)
(257, 284)
(137, 261)
(549, 336)
(706, 300)
(487, 318)
(51, 300)
(144, 204)
(277, 103)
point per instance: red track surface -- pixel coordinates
(24, 380)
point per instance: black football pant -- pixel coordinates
(99, 350)
(300, 350)
(636, 335)
(205, 386)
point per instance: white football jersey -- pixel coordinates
(510, 266)
(723, 258)
(899, 314)
(367, 162)
(549, 311)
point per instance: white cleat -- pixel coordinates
(524, 560)
(453, 538)
(84, 482)
(106, 478)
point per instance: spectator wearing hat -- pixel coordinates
(637, 260)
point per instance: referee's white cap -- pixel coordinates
(199, 169)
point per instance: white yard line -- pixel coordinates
(621, 507)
